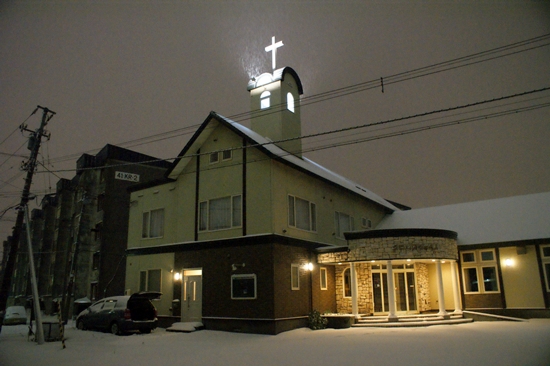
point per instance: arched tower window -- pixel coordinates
(290, 102)
(264, 100)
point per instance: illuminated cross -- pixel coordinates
(273, 48)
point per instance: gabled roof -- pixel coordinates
(502, 220)
(268, 147)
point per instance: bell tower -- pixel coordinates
(275, 105)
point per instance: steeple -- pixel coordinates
(275, 105)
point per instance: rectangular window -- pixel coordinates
(220, 213)
(153, 224)
(302, 214)
(479, 269)
(468, 257)
(243, 287)
(342, 223)
(150, 280)
(470, 280)
(366, 223)
(95, 260)
(214, 157)
(227, 154)
(490, 283)
(545, 256)
(295, 276)
(97, 231)
(323, 278)
(487, 256)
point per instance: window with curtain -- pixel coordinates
(153, 224)
(302, 214)
(342, 223)
(220, 213)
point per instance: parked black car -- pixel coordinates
(121, 314)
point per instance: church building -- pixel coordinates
(244, 233)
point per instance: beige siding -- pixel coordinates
(164, 262)
(521, 279)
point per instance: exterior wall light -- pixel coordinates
(508, 262)
(308, 266)
(177, 276)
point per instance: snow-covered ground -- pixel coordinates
(478, 343)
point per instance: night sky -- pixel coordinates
(119, 71)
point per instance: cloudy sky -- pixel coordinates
(144, 74)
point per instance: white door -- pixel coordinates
(191, 310)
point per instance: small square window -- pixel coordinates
(546, 251)
(468, 257)
(487, 256)
(214, 157)
(227, 154)
(243, 287)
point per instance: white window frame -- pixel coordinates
(293, 214)
(478, 264)
(366, 223)
(214, 157)
(545, 265)
(236, 219)
(227, 152)
(323, 278)
(147, 223)
(265, 99)
(245, 276)
(147, 278)
(294, 276)
(290, 102)
(338, 231)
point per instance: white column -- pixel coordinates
(392, 316)
(456, 292)
(354, 290)
(440, 292)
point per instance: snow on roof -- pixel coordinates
(308, 165)
(490, 221)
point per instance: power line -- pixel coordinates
(353, 128)
(347, 90)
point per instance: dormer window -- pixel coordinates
(264, 100)
(290, 102)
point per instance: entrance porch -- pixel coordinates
(396, 273)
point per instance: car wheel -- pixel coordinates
(80, 325)
(114, 328)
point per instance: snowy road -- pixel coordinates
(478, 343)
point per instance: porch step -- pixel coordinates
(186, 327)
(410, 321)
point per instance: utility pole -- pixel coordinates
(34, 145)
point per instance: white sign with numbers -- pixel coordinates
(127, 176)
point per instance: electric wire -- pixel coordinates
(344, 91)
(352, 128)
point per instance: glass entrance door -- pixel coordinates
(405, 288)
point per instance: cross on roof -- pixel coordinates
(273, 48)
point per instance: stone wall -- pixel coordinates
(423, 286)
(402, 247)
(364, 284)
